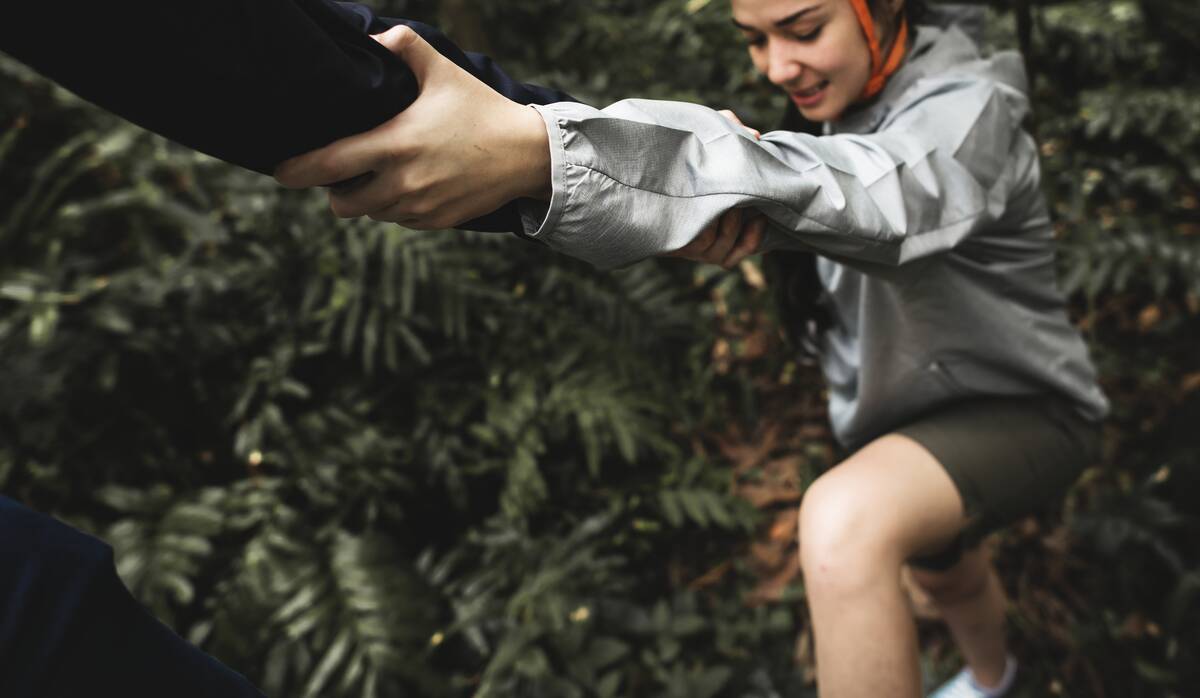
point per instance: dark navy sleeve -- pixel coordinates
(69, 627)
(252, 82)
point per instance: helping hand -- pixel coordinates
(461, 150)
(730, 116)
(732, 238)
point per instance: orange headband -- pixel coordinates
(880, 70)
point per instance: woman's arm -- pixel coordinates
(642, 178)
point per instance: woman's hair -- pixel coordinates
(914, 11)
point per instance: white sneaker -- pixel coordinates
(963, 684)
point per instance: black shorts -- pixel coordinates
(1008, 457)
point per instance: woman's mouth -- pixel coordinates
(811, 96)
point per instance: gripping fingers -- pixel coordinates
(407, 213)
(418, 212)
(729, 115)
(748, 242)
(730, 226)
(337, 162)
(698, 245)
(374, 195)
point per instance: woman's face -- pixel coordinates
(813, 49)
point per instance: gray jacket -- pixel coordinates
(937, 249)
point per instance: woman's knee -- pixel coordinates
(844, 541)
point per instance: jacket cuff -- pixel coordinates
(538, 218)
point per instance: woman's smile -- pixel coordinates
(809, 97)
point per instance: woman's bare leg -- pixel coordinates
(971, 601)
(858, 524)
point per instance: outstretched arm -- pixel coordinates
(252, 82)
(643, 178)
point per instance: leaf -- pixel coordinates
(333, 657)
(710, 681)
(693, 502)
(671, 508)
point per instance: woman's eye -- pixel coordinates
(810, 36)
(758, 40)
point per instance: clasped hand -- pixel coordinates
(734, 236)
(419, 157)
(460, 151)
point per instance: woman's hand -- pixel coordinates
(459, 151)
(733, 237)
(728, 114)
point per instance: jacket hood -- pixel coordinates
(942, 52)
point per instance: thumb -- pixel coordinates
(409, 47)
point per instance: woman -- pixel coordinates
(958, 385)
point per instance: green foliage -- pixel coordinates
(1118, 106)
(356, 460)
(604, 50)
(1123, 149)
(348, 458)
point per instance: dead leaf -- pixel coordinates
(1150, 316)
(772, 588)
(767, 556)
(784, 527)
(1134, 626)
(753, 275)
(754, 346)
(748, 453)
(712, 576)
(761, 496)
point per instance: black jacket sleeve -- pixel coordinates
(252, 82)
(69, 627)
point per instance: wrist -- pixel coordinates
(531, 151)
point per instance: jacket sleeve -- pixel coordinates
(641, 177)
(252, 82)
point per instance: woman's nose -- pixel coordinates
(782, 66)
